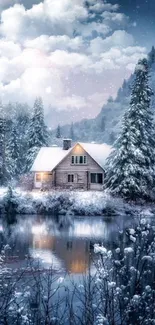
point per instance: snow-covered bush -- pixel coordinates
(62, 202)
(125, 278)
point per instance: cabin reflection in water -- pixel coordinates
(73, 254)
(68, 249)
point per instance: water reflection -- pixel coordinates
(66, 244)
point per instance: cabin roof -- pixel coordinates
(49, 157)
(99, 152)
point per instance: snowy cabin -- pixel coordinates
(71, 167)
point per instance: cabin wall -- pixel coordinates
(81, 172)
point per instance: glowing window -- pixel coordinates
(38, 177)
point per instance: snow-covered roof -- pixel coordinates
(99, 152)
(49, 157)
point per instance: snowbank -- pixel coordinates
(61, 202)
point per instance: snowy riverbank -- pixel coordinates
(64, 203)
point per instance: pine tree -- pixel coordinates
(37, 133)
(3, 167)
(151, 56)
(58, 132)
(71, 133)
(112, 137)
(10, 114)
(103, 123)
(23, 117)
(110, 99)
(13, 153)
(130, 167)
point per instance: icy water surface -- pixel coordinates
(64, 243)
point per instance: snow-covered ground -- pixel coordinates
(61, 202)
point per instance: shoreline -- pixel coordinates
(72, 203)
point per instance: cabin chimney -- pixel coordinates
(67, 143)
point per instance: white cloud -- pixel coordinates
(51, 17)
(119, 38)
(13, 22)
(58, 42)
(115, 18)
(9, 49)
(100, 6)
(66, 53)
(67, 60)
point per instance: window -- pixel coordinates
(96, 178)
(85, 159)
(79, 160)
(70, 178)
(100, 178)
(93, 178)
(38, 177)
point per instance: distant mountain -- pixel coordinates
(105, 127)
(62, 117)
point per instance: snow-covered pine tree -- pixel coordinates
(151, 57)
(37, 134)
(3, 167)
(23, 117)
(58, 132)
(112, 137)
(130, 167)
(10, 114)
(71, 133)
(102, 123)
(13, 153)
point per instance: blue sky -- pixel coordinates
(142, 12)
(74, 56)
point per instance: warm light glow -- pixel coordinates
(78, 150)
(42, 176)
(43, 242)
(78, 267)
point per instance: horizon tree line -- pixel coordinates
(22, 133)
(71, 134)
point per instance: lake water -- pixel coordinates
(64, 243)
(56, 278)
